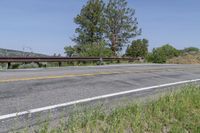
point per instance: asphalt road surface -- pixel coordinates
(22, 90)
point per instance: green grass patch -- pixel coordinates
(176, 112)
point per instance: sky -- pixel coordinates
(47, 26)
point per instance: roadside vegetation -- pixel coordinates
(107, 29)
(104, 27)
(186, 58)
(176, 112)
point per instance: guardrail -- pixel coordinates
(10, 60)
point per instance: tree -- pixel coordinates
(157, 56)
(70, 51)
(161, 54)
(99, 50)
(120, 24)
(89, 50)
(91, 23)
(112, 25)
(138, 48)
(190, 49)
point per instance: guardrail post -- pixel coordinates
(59, 64)
(101, 61)
(9, 65)
(39, 65)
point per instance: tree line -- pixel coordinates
(139, 48)
(165, 52)
(103, 29)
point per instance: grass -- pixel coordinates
(176, 112)
(192, 58)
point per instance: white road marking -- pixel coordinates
(32, 111)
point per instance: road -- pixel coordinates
(22, 90)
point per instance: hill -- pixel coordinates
(17, 53)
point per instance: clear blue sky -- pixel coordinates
(47, 25)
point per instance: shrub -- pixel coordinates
(161, 54)
(190, 49)
(138, 48)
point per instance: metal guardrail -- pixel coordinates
(60, 59)
(38, 60)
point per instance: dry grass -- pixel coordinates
(186, 59)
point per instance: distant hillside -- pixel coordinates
(16, 53)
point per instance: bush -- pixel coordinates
(29, 65)
(161, 54)
(138, 48)
(15, 66)
(190, 49)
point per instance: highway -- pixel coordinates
(24, 90)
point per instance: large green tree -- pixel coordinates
(70, 51)
(111, 24)
(98, 50)
(91, 23)
(89, 50)
(138, 48)
(120, 24)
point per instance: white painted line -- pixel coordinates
(32, 111)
